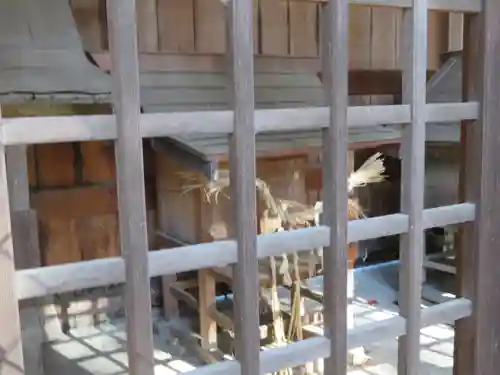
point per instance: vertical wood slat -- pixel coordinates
(243, 175)
(147, 25)
(11, 351)
(209, 26)
(274, 27)
(26, 252)
(302, 25)
(176, 25)
(335, 59)
(414, 55)
(477, 337)
(131, 190)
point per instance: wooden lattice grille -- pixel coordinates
(127, 127)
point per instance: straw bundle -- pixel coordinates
(291, 214)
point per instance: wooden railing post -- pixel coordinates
(477, 337)
(130, 179)
(335, 196)
(11, 351)
(414, 54)
(243, 177)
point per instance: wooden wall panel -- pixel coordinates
(437, 42)
(75, 202)
(57, 162)
(98, 162)
(281, 28)
(384, 27)
(383, 44)
(97, 236)
(359, 44)
(58, 243)
(274, 27)
(210, 27)
(147, 25)
(176, 25)
(304, 29)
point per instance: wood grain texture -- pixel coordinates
(98, 162)
(383, 53)
(383, 38)
(243, 174)
(414, 47)
(147, 25)
(11, 348)
(477, 337)
(26, 252)
(359, 44)
(335, 41)
(69, 128)
(437, 38)
(274, 27)
(210, 30)
(176, 25)
(131, 189)
(27, 255)
(75, 202)
(359, 37)
(97, 236)
(55, 165)
(466, 6)
(303, 29)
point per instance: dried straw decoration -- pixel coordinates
(292, 214)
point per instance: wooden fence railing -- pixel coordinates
(127, 127)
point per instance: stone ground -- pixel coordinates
(101, 350)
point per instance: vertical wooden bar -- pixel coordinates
(131, 190)
(26, 253)
(335, 56)
(414, 55)
(477, 337)
(243, 175)
(11, 350)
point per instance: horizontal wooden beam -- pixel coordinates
(465, 6)
(305, 351)
(361, 82)
(39, 282)
(36, 130)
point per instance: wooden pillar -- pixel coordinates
(206, 282)
(477, 337)
(122, 22)
(11, 351)
(26, 254)
(243, 174)
(334, 54)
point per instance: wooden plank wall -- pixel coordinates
(73, 190)
(73, 185)
(282, 28)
